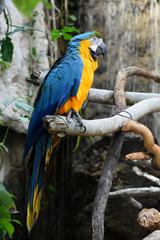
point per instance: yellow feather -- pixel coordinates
(49, 152)
(32, 214)
(89, 67)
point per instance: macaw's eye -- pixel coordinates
(94, 39)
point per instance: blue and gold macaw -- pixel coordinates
(64, 90)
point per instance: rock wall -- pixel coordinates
(132, 33)
(30, 52)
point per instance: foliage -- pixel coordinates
(26, 7)
(6, 49)
(6, 45)
(66, 32)
(3, 65)
(6, 205)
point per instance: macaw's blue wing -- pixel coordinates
(60, 83)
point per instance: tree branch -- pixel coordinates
(148, 176)
(122, 78)
(105, 181)
(13, 118)
(107, 96)
(148, 138)
(105, 126)
(136, 192)
(103, 188)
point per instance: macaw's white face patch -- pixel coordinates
(97, 47)
(95, 42)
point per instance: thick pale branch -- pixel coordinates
(107, 96)
(13, 118)
(104, 126)
(100, 95)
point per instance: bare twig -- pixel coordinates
(136, 192)
(148, 176)
(135, 203)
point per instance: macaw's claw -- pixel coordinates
(75, 115)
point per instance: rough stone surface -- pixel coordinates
(30, 52)
(131, 31)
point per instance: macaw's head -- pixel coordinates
(91, 41)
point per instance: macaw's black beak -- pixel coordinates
(101, 49)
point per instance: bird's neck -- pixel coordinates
(86, 54)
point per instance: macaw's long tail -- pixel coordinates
(39, 156)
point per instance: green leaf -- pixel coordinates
(7, 49)
(68, 29)
(67, 36)
(16, 221)
(4, 213)
(6, 199)
(47, 4)
(6, 203)
(7, 226)
(26, 7)
(55, 34)
(3, 65)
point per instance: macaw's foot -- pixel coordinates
(75, 115)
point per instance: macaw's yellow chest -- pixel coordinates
(89, 67)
